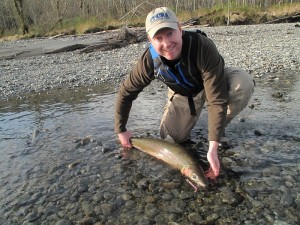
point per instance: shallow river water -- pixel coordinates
(61, 164)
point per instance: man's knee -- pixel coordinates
(239, 82)
(241, 87)
(178, 137)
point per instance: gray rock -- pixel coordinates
(31, 217)
(63, 222)
(195, 218)
(177, 206)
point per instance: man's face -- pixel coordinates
(168, 43)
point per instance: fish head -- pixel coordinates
(196, 176)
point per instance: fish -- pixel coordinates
(175, 156)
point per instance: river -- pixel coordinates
(61, 164)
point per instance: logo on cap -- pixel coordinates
(159, 16)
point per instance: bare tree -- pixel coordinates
(25, 14)
(19, 10)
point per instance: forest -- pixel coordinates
(38, 17)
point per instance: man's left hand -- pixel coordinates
(213, 159)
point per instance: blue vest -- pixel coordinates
(178, 78)
(181, 80)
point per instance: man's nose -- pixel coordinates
(166, 41)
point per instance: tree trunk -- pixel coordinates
(20, 16)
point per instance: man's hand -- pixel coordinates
(124, 138)
(212, 157)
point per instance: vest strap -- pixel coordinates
(192, 106)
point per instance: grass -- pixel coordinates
(217, 15)
(284, 9)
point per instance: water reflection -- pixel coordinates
(30, 132)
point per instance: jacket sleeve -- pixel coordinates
(140, 76)
(212, 69)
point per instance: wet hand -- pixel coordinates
(124, 138)
(211, 174)
(213, 159)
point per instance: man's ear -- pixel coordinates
(179, 28)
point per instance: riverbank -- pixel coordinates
(263, 50)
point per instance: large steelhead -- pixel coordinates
(174, 155)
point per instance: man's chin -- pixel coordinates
(171, 57)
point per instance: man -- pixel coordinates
(190, 65)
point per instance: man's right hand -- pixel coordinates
(124, 138)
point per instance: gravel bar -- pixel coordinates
(260, 49)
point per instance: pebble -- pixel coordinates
(63, 222)
(106, 208)
(73, 165)
(177, 206)
(195, 218)
(212, 217)
(228, 196)
(167, 196)
(151, 210)
(32, 217)
(87, 221)
(258, 133)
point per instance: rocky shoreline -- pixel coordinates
(61, 164)
(263, 50)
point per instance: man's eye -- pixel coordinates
(158, 39)
(170, 33)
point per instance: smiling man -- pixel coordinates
(190, 65)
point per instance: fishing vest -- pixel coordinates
(180, 79)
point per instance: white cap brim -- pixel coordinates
(154, 29)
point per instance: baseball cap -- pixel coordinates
(160, 18)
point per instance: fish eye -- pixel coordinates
(194, 177)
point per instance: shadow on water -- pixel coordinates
(61, 162)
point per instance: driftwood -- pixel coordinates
(67, 48)
(122, 38)
(108, 41)
(119, 39)
(289, 19)
(190, 22)
(104, 46)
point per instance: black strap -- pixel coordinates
(201, 32)
(192, 106)
(171, 99)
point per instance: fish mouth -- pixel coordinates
(196, 185)
(201, 184)
(195, 177)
